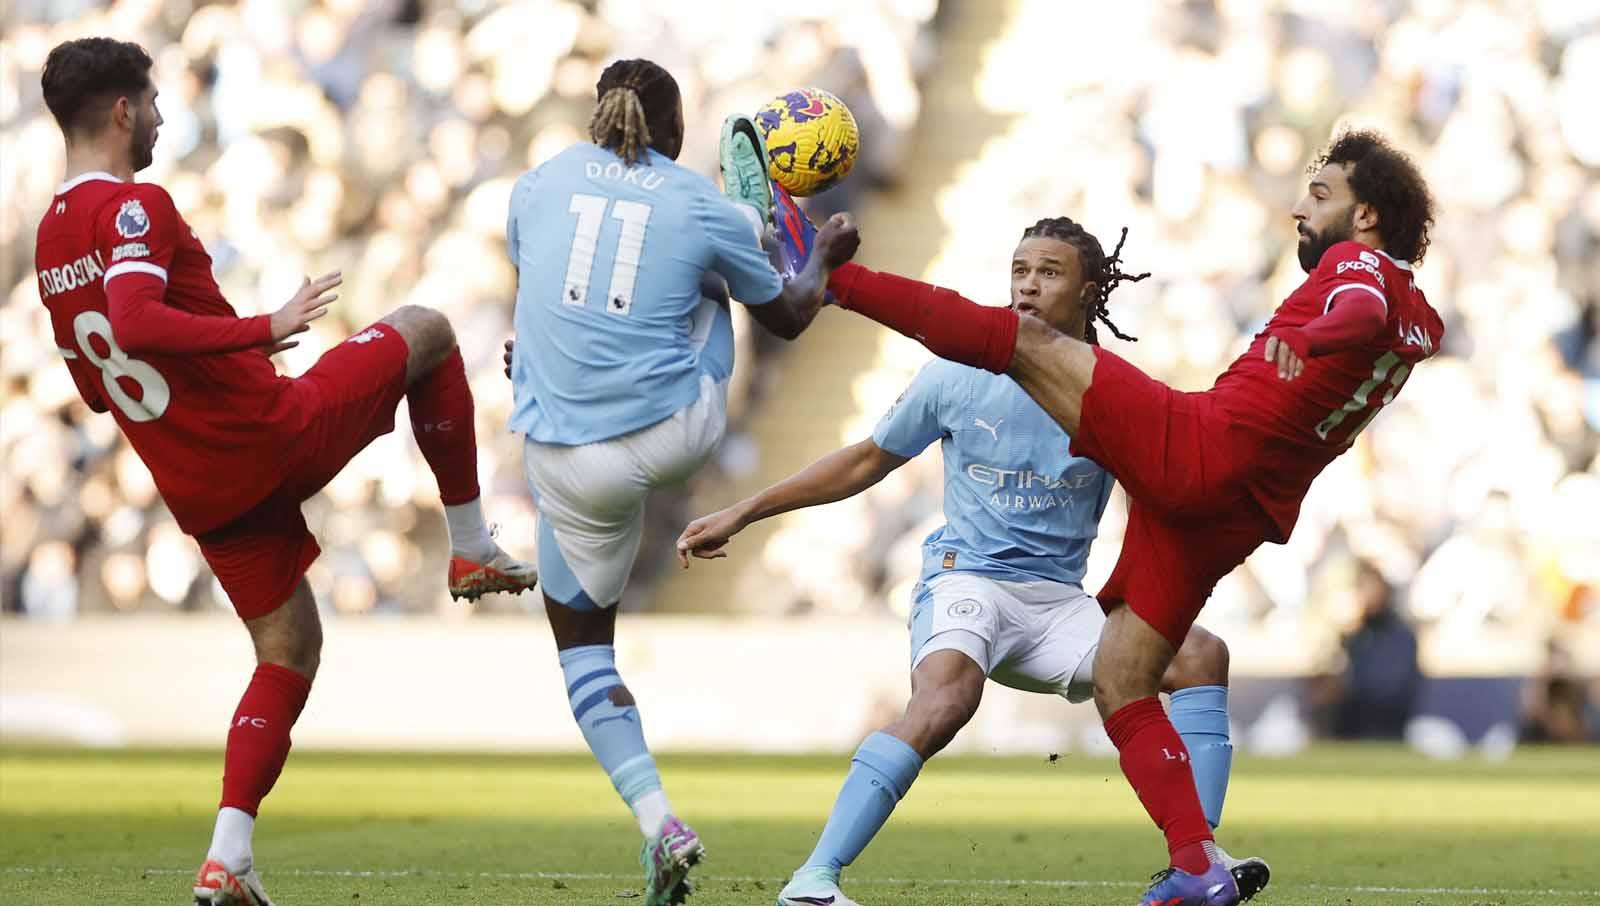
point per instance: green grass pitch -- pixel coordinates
(1340, 825)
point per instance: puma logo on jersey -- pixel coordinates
(994, 429)
(366, 336)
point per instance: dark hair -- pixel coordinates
(1103, 270)
(637, 99)
(83, 77)
(1383, 176)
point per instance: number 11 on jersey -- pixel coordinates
(591, 209)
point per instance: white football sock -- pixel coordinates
(652, 809)
(469, 534)
(230, 840)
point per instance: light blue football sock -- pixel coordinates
(1200, 715)
(881, 773)
(612, 730)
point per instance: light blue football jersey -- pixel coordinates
(612, 335)
(1017, 504)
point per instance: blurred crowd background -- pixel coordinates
(382, 138)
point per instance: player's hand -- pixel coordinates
(1289, 363)
(507, 357)
(280, 346)
(837, 241)
(307, 305)
(707, 536)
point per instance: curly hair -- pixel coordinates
(636, 103)
(1105, 271)
(1384, 177)
(83, 77)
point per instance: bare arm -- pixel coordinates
(802, 297)
(842, 473)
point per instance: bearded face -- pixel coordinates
(142, 148)
(1315, 240)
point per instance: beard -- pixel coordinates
(1316, 244)
(144, 142)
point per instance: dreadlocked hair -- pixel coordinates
(1104, 271)
(636, 102)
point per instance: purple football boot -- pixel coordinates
(1174, 887)
(794, 231)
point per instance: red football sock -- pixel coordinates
(952, 327)
(258, 740)
(1157, 766)
(441, 419)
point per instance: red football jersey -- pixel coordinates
(1297, 427)
(213, 428)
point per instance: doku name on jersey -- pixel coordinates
(638, 176)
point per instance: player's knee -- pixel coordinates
(426, 331)
(299, 650)
(1202, 661)
(1116, 688)
(946, 709)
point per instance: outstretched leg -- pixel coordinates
(1050, 366)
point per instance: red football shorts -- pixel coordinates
(1191, 519)
(349, 398)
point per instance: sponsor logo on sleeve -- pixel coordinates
(1369, 258)
(130, 250)
(132, 221)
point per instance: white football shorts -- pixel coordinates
(591, 497)
(1037, 636)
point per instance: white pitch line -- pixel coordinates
(897, 882)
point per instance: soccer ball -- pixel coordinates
(812, 141)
